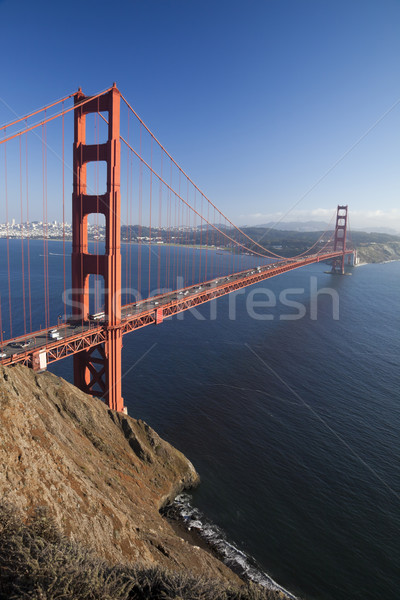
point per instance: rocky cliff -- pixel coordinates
(103, 476)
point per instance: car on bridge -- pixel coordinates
(100, 316)
(22, 344)
(54, 334)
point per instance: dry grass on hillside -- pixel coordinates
(38, 563)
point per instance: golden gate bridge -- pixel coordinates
(121, 175)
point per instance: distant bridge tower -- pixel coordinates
(97, 371)
(340, 239)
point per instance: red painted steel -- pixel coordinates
(98, 375)
(55, 350)
(340, 239)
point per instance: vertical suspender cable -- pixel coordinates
(28, 232)
(175, 250)
(139, 282)
(159, 228)
(151, 191)
(47, 223)
(229, 257)
(208, 220)
(63, 209)
(8, 236)
(232, 257)
(127, 220)
(240, 250)
(44, 232)
(213, 257)
(167, 238)
(201, 238)
(45, 249)
(194, 240)
(22, 234)
(187, 236)
(181, 240)
(130, 224)
(181, 232)
(169, 229)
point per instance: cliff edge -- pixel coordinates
(102, 476)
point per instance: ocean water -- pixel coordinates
(293, 423)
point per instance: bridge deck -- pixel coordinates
(74, 338)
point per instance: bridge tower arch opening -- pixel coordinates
(98, 370)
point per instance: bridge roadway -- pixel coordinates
(38, 349)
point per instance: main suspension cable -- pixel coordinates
(52, 117)
(39, 110)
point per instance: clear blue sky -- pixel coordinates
(256, 99)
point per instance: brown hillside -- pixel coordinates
(102, 475)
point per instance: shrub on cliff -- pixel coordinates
(38, 563)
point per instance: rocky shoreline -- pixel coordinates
(198, 530)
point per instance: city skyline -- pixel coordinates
(12, 226)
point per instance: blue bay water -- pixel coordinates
(293, 425)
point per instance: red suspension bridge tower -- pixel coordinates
(97, 371)
(340, 239)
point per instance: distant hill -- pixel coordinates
(295, 225)
(291, 243)
(387, 230)
(320, 226)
